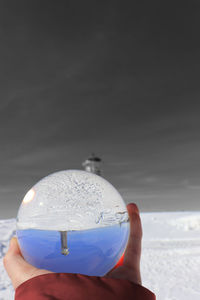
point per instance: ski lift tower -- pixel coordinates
(92, 164)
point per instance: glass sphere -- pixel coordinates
(73, 222)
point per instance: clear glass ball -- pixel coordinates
(73, 222)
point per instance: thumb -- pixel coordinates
(17, 268)
(14, 248)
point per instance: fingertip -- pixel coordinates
(132, 208)
(14, 247)
(12, 243)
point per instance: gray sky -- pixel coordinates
(118, 78)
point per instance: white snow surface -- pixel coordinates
(170, 264)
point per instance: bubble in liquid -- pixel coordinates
(73, 221)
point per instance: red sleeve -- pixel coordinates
(62, 286)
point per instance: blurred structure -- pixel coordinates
(93, 164)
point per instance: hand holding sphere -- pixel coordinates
(75, 222)
(20, 271)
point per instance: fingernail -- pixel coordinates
(12, 242)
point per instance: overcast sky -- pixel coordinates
(118, 78)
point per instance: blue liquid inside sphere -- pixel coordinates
(91, 252)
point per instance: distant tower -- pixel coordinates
(93, 164)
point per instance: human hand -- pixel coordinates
(130, 268)
(19, 270)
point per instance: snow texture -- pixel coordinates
(71, 200)
(170, 257)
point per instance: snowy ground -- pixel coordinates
(171, 255)
(170, 259)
